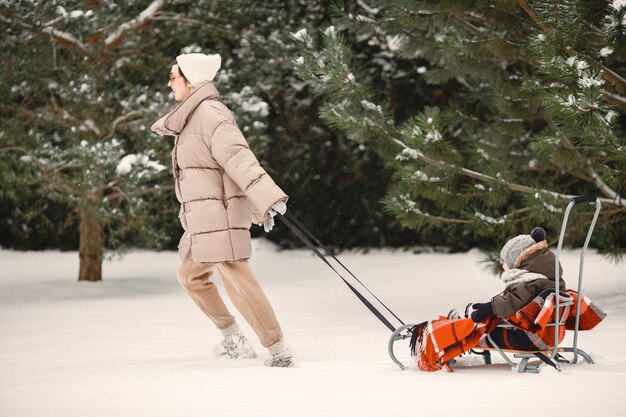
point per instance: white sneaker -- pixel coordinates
(236, 346)
(281, 356)
(281, 360)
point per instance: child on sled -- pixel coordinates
(525, 306)
(529, 269)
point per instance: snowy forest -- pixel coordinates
(388, 123)
(432, 147)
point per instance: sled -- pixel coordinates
(552, 356)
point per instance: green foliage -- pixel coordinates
(467, 122)
(76, 111)
(525, 110)
(334, 185)
(88, 99)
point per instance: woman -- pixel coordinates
(222, 190)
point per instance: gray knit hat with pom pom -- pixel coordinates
(515, 246)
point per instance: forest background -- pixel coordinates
(389, 123)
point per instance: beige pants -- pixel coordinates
(244, 291)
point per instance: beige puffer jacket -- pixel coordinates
(219, 182)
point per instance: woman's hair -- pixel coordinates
(180, 72)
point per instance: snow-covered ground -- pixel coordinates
(135, 345)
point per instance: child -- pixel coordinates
(528, 270)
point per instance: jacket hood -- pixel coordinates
(539, 259)
(175, 121)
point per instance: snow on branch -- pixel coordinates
(408, 206)
(68, 40)
(115, 38)
(63, 38)
(615, 200)
(367, 8)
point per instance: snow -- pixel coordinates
(606, 51)
(126, 164)
(618, 4)
(66, 37)
(301, 35)
(368, 105)
(422, 176)
(407, 154)
(589, 82)
(432, 136)
(249, 102)
(395, 42)
(135, 345)
(256, 107)
(368, 8)
(490, 220)
(146, 14)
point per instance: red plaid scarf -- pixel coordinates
(435, 342)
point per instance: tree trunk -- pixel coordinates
(91, 245)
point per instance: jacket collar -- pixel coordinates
(174, 122)
(537, 247)
(516, 276)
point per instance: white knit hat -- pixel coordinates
(515, 246)
(199, 68)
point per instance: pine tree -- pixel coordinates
(84, 81)
(76, 85)
(527, 111)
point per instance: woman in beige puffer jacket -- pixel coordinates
(222, 189)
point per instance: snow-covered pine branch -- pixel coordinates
(406, 205)
(67, 39)
(616, 200)
(59, 36)
(368, 8)
(117, 36)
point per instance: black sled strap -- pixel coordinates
(299, 230)
(547, 360)
(329, 252)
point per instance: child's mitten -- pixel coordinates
(482, 311)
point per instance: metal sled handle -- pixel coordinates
(574, 201)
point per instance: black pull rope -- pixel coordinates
(305, 230)
(547, 360)
(291, 224)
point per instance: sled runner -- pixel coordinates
(437, 343)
